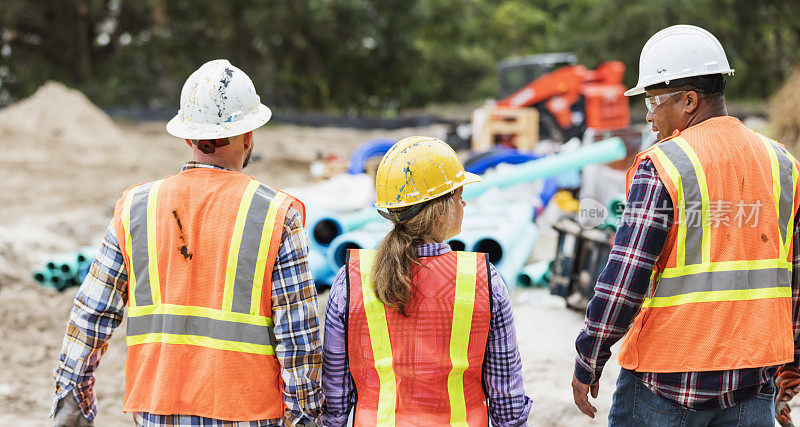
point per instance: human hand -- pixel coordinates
(789, 393)
(68, 414)
(580, 393)
(787, 379)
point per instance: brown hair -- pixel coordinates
(397, 252)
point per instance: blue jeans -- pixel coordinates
(635, 405)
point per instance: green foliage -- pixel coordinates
(352, 56)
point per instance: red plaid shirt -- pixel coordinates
(621, 289)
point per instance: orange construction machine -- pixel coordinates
(561, 98)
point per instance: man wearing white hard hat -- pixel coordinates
(222, 322)
(700, 280)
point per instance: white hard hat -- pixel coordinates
(678, 52)
(218, 101)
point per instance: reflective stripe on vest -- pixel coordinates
(139, 222)
(237, 325)
(466, 275)
(381, 346)
(695, 278)
(783, 190)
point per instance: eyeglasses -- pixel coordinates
(654, 101)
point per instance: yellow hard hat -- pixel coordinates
(417, 169)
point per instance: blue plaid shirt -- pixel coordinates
(99, 308)
(502, 368)
(620, 292)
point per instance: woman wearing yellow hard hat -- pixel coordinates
(416, 334)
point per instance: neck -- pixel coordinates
(221, 161)
(708, 113)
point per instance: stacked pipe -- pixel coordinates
(504, 233)
(508, 243)
(326, 230)
(67, 270)
(325, 226)
(365, 237)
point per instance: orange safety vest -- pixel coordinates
(720, 294)
(199, 248)
(424, 368)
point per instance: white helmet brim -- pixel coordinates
(187, 130)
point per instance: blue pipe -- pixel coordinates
(498, 242)
(367, 150)
(549, 189)
(546, 167)
(320, 269)
(323, 226)
(508, 155)
(337, 252)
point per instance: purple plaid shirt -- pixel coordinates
(502, 368)
(621, 289)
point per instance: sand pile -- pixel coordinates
(58, 112)
(784, 113)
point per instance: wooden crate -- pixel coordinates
(522, 123)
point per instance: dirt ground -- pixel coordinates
(64, 164)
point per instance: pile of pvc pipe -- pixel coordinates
(506, 234)
(67, 270)
(501, 227)
(330, 234)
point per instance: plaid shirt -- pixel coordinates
(502, 368)
(102, 297)
(621, 289)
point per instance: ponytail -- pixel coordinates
(397, 252)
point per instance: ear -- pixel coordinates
(247, 140)
(692, 99)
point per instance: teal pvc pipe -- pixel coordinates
(87, 254)
(337, 251)
(518, 255)
(320, 269)
(497, 241)
(323, 226)
(616, 206)
(70, 267)
(356, 220)
(381, 227)
(535, 275)
(68, 283)
(70, 263)
(43, 276)
(458, 243)
(63, 263)
(605, 151)
(60, 281)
